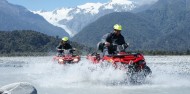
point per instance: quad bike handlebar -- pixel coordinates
(67, 49)
(119, 48)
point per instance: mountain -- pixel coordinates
(136, 30)
(163, 26)
(74, 19)
(15, 17)
(172, 19)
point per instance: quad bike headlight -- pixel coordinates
(60, 60)
(76, 60)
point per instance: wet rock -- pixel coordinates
(1, 91)
(18, 88)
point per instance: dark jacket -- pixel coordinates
(112, 38)
(65, 46)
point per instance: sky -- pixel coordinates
(52, 4)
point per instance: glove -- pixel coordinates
(126, 45)
(107, 44)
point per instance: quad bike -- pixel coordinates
(133, 63)
(67, 57)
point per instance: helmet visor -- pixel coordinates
(117, 30)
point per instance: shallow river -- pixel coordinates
(171, 75)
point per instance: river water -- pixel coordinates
(170, 75)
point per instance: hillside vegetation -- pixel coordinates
(27, 42)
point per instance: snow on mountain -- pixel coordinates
(56, 15)
(74, 19)
(144, 2)
(120, 5)
(120, 2)
(92, 8)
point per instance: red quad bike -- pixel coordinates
(67, 57)
(133, 63)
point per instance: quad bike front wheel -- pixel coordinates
(135, 76)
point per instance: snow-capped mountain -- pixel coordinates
(74, 19)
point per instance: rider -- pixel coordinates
(110, 38)
(63, 45)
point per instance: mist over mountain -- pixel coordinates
(163, 26)
(15, 17)
(74, 19)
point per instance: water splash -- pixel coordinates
(170, 74)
